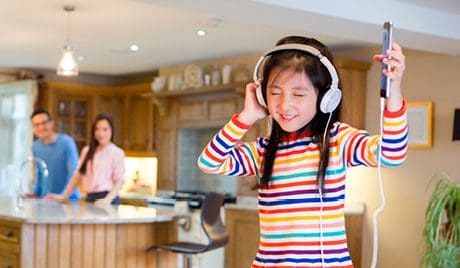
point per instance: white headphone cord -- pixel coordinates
(382, 193)
(321, 198)
(321, 226)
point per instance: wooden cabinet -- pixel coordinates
(10, 244)
(73, 118)
(212, 107)
(74, 107)
(243, 229)
(209, 107)
(137, 119)
(138, 124)
(86, 244)
(112, 105)
(70, 106)
(8, 261)
(353, 75)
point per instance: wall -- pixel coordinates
(428, 77)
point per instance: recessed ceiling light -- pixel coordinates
(201, 32)
(134, 48)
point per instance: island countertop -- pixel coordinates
(52, 211)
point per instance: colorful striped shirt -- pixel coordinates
(294, 218)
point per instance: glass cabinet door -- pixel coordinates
(64, 107)
(73, 118)
(80, 109)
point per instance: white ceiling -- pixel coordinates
(33, 32)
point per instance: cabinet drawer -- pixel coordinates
(222, 109)
(7, 261)
(9, 234)
(191, 111)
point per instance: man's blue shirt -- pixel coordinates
(61, 157)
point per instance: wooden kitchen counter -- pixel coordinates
(48, 233)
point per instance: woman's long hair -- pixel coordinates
(299, 61)
(94, 143)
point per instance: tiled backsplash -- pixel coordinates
(190, 178)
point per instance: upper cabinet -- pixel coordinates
(212, 106)
(72, 117)
(71, 106)
(137, 120)
(74, 107)
(191, 108)
(353, 75)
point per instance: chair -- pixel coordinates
(211, 222)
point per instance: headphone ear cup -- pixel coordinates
(260, 97)
(330, 100)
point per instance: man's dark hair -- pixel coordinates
(41, 111)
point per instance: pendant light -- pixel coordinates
(67, 63)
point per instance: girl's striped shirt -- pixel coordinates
(294, 218)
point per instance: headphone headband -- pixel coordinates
(303, 48)
(331, 98)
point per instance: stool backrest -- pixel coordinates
(211, 220)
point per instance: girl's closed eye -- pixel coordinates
(301, 92)
(275, 92)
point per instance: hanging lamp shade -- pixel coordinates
(67, 65)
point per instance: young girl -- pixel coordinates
(101, 166)
(302, 166)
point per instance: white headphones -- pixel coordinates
(333, 95)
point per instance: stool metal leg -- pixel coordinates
(188, 261)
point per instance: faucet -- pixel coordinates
(39, 161)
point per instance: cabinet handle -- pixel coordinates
(8, 234)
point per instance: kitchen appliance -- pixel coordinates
(193, 198)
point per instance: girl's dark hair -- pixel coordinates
(94, 143)
(299, 61)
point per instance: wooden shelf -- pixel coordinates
(237, 87)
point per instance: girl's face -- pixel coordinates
(291, 99)
(103, 132)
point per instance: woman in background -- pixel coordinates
(101, 166)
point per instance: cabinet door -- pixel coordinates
(73, 118)
(167, 159)
(138, 124)
(9, 261)
(353, 80)
(243, 229)
(112, 105)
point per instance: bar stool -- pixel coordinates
(212, 224)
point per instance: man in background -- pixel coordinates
(59, 152)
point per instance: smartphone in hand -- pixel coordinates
(387, 42)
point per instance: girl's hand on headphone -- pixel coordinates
(252, 110)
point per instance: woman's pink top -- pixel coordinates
(104, 170)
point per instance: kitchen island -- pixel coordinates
(49, 233)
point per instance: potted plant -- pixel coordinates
(441, 233)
